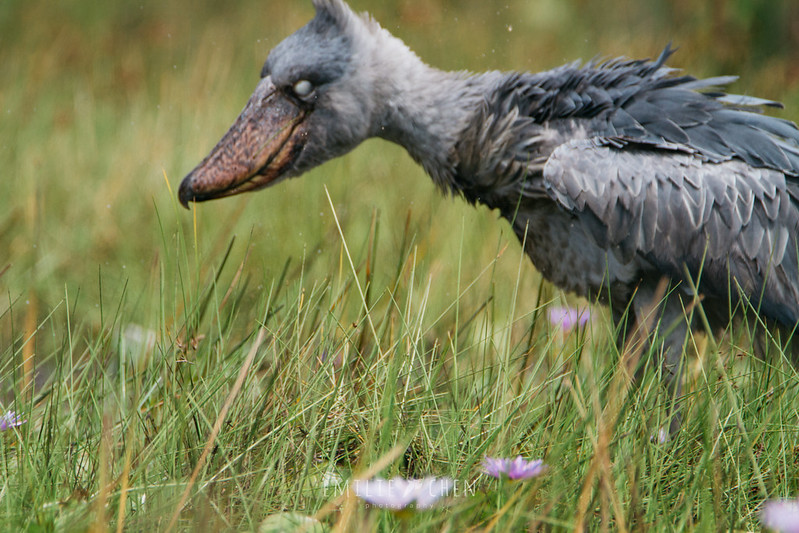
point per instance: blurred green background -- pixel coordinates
(101, 100)
(105, 106)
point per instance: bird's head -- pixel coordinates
(315, 101)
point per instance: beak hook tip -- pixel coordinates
(185, 193)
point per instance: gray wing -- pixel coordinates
(677, 209)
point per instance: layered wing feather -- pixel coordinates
(676, 209)
(644, 101)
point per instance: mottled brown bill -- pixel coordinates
(256, 151)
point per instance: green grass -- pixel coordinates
(398, 328)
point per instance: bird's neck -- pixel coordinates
(424, 109)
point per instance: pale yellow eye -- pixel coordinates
(303, 88)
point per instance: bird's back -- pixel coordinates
(642, 101)
(663, 171)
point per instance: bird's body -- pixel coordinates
(619, 172)
(613, 175)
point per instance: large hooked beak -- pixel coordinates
(256, 151)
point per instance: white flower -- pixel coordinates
(781, 515)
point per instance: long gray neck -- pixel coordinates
(427, 118)
(423, 109)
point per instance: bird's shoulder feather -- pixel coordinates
(667, 204)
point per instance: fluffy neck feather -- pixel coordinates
(420, 108)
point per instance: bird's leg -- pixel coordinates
(659, 326)
(672, 333)
(769, 336)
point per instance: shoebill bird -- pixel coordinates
(614, 175)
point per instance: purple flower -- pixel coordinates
(781, 515)
(10, 420)
(568, 317)
(397, 493)
(515, 469)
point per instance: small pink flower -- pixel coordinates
(781, 515)
(514, 469)
(397, 494)
(568, 317)
(10, 420)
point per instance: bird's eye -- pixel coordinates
(302, 88)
